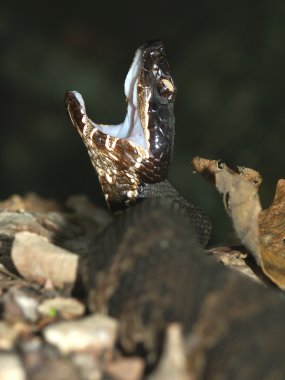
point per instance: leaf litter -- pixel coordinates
(261, 231)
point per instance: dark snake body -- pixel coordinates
(148, 269)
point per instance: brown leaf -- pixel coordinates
(242, 203)
(48, 260)
(272, 237)
(262, 232)
(209, 168)
(236, 258)
(239, 189)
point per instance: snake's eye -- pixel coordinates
(165, 88)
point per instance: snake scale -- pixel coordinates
(148, 268)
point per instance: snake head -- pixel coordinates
(137, 152)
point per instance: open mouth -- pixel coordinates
(137, 151)
(131, 128)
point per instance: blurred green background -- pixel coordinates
(227, 59)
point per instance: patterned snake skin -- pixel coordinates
(148, 268)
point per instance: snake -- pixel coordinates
(148, 268)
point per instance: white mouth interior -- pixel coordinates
(131, 128)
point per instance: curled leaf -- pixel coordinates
(272, 237)
(209, 168)
(262, 232)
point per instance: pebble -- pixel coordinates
(67, 308)
(17, 305)
(9, 332)
(96, 332)
(28, 306)
(173, 363)
(11, 367)
(7, 336)
(126, 369)
(30, 201)
(48, 261)
(89, 368)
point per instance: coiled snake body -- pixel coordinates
(148, 268)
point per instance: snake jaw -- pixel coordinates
(138, 151)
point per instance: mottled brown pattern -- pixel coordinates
(149, 273)
(116, 163)
(124, 167)
(147, 268)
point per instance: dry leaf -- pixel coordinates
(272, 237)
(236, 258)
(209, 168)
(262, 232)
(239, 189)
(242, 203)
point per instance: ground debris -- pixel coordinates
(96, 332)
(125, 369)
(30, 201)
(48, 260)
(66, 308)
(37, 272)
(44, 332)
(20, 303)
(238, 259)
(173, 364)
(11, 367)
(42, 362)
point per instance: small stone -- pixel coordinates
(173, 363)
(11, 367)
(17, 305)
(43, 362)
(96, 332)
(10, 332)
(67, 308)
(30, 201)
(126, 369)
(38, 260)
(28, 306)
(88, 367)
(48, 285)
(7, 336)
(13, 222)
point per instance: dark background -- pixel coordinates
(228, 61)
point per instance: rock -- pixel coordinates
(10, 332)
(11, 367)
(173, 363)
(13, 222)
(67, 308)
(20, 305)
(28, 306)
(30, 201)
(43, 362)
(7, 336)
(38, 260)
(88, 367)
(96, 332)
(126, 369)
